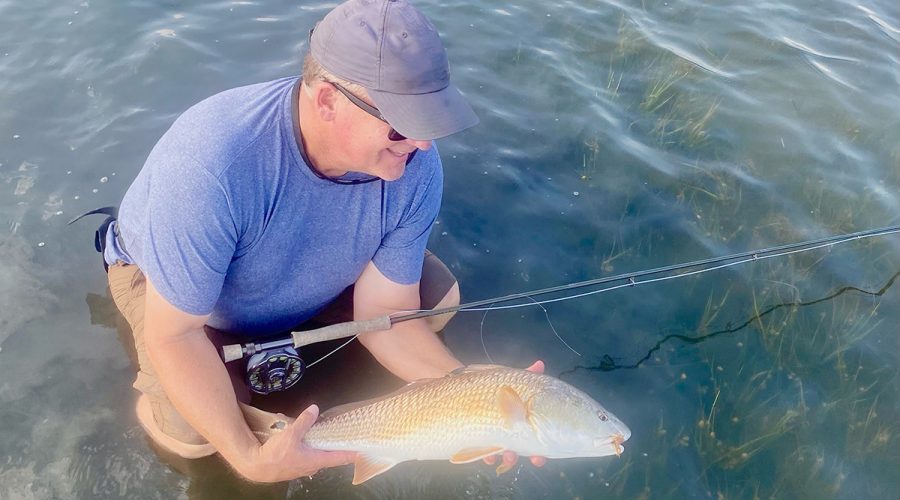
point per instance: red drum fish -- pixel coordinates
(472, 413)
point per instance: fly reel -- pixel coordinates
(274, 370)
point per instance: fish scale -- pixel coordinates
(467, 415)
(450, 405)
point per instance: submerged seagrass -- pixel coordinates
(475, 412)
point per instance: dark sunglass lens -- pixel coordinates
(396, 136)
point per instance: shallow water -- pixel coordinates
(615, 137)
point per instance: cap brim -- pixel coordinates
(426, 116)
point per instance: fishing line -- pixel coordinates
(353, 329)
(550, 323)
(481, 336)
(607, 363)
(632, 282)
(336, 349)
(631, 278)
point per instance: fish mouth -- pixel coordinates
(611, 445)
(617, 441)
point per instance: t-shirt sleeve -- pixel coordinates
(402, 249)
(190, 236)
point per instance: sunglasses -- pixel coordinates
(393, 135)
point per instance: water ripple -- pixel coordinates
(830, 73)
(886, 28)
(809, 50)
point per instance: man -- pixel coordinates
(262, 204)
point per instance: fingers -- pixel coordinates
(306, 420)
(536, 367)
(323, 459)
(509, 459)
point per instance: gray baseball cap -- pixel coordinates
(393, 50)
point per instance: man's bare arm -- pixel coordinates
(409, 349)
(196, 381)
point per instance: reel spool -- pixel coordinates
(274, 370)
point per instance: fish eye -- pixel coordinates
(603, 416)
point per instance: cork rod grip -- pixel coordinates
(341, 330)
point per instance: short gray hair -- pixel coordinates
(313, 72)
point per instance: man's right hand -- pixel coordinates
(285, 456)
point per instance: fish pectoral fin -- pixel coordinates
(367, 467)
(512, 408)
(472, 454)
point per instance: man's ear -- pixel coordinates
(325, 100)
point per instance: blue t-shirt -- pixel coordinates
(227, 219)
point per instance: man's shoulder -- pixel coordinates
(237, 99)
(215, 130)
(236, 109)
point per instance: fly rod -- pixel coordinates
(341, 330)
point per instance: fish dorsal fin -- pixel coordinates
(344, 408)
(472, 454)
(367, 467)
(475, 368)
(513, 410)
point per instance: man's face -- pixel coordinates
(365, 144)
